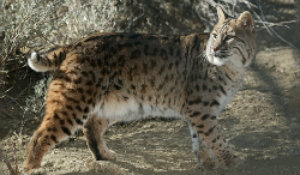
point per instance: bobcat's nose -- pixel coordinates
(216, 48)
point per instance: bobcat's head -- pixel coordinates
(232, 41)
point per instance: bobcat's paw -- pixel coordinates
(31, 168)
(109, 155)
(207, 159)
(228, 158)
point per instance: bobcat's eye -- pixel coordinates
(228, 37)
(214, 35)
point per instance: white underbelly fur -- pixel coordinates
(130, 110)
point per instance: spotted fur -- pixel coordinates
(111, 77)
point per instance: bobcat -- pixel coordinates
(110, 77)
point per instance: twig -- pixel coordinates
(3, 71)
(48, 41)
(3, 60)
(15, 157)
(281, 24)
(14, 100)
(263, 22)
(271, 30)
(4, 159)
(22, 123)
(250, 5)
(233, 7)
(7, 90)
(48, 20)
(12, 70)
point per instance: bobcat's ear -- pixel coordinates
(221, 14)
(246, 21)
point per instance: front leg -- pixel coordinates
(214, 150)
(204, 154)
(94, 130)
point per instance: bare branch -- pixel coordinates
(4, 159)
(271, 31)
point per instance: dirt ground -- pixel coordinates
(263, 122)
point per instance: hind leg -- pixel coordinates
(54, 129)
(65, 112)
(94, 130)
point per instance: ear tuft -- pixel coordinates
(221, 14)
(245, 20)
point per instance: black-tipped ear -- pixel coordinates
(245, 20)
(221, 14)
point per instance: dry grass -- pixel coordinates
(39, 25)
